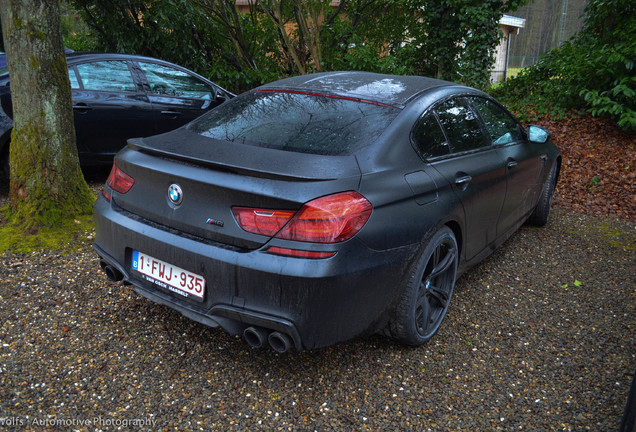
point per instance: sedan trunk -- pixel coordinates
(214, 176)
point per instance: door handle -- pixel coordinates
(171, 113)
(512, 163)
(82, 108)
(463, 181)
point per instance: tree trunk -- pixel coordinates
(47, 187)
(307, 15)
(274, 10)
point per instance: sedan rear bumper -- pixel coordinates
(316, 302)
(230, 318)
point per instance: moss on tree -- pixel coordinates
(49, 198)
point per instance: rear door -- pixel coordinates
(109, 107)
(475, 170)
(177, 96)
(523, 162)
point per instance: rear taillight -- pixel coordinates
(329, 219)
(118, 181)
(261, 221)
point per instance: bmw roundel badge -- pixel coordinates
(175, 194)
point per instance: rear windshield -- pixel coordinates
(297, 122)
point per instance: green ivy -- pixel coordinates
(455, 40)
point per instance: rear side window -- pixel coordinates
(297, 122)
(106, 76)
(502, 128)
(461, 125)
(168, 81)
(429, 138)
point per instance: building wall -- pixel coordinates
(549, 23)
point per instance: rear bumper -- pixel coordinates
(315, 302)
(230, 318)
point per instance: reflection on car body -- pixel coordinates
(338, 210)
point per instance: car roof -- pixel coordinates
(76, 57)
(388, 89)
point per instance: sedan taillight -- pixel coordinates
(118, 181)
(262, 221)
(329, 219)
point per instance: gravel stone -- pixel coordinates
(539, 337)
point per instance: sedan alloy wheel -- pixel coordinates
(427, 295)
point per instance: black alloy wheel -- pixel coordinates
(428, 293)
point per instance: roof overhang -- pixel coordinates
(512, 21)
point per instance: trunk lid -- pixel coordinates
(213, 176)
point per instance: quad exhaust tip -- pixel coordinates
(280, 342)
(111, 272)
(257, 337)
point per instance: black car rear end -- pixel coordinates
(314, 293)
(259, 224)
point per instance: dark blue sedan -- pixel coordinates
(118, 96)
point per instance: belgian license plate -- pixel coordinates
(168, 276)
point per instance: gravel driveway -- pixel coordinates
(539, 337)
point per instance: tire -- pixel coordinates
(629, 415)
(541, 213)
(427, 294)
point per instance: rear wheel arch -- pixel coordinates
(457, 231)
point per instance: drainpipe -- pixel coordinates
(507, 55)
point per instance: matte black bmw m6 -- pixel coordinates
(323, 207)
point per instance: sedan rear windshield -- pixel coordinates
(296, 121)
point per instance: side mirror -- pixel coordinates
(537, 134)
